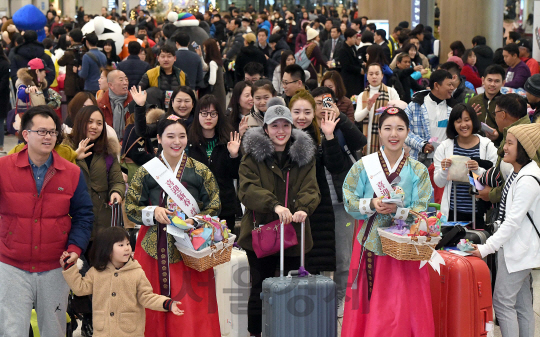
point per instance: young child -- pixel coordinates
(119, 287)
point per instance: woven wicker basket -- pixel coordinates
(408, 248)
(208, 257)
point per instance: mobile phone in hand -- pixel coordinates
(327, 101)
(486, 128)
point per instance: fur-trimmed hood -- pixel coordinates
(258, 144)
(153, 115)
(24, 77)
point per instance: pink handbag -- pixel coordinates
(265, 239)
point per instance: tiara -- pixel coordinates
(392, 111)
(173, 117)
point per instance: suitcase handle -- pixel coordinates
(282, 250)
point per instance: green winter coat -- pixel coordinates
(486, 115)
(100, 184)
(262, 183)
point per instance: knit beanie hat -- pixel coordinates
(532, 86)
(528, 136)
(311, 33)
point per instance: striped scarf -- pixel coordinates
(381, 101)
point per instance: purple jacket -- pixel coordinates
(301, 40)
(517, 76)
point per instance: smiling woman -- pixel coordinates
(279, 163)
(375, 311)
(463, 139)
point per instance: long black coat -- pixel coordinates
(225, 169)
(322, 256)
(5, 104)
(351, 70)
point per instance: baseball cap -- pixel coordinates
(37, 63)
(524, 43)
(277, 111)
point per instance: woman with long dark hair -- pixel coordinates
(109, 49)
(182, 103)
(240, 106)
(375, 54)
(100, 164)
(214, 61)
(332, 79)
(287, 58)
(213, 143)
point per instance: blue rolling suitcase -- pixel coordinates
(299, 304)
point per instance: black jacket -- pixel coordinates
(350, 140)
(134, 68)
(351, 70)
(407, 82)
(27, 51)
(248, 54)
(322, 256)
(142, 151)
(484, 57)
(225, 170)
(275, 57)
(221, 32)
(5, 104)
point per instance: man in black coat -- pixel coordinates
(278, 45)
(133, 66)
(404, 71)
(249, 53)
(484, 54)
(30, 49)
(188, 61)
(351, 68)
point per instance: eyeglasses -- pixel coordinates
(287, 83)
(498, 111)
(43, 132)
(212, 113)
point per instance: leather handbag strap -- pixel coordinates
(132, 145)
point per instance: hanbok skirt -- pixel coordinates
(195, 290)
(400, 303)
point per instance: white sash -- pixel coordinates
(172, 187)
(376, 175)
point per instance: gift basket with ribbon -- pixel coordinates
(206, 245)
(415, 242)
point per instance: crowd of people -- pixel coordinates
(277, 115)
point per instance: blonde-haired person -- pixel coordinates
(517, 239)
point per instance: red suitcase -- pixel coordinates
(461, 297)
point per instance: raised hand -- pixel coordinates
(234, 145)
(328, 124)
(139, 96)
(242, 128)
(83, 148)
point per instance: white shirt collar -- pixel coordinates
(393, 169)
(183, 48)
